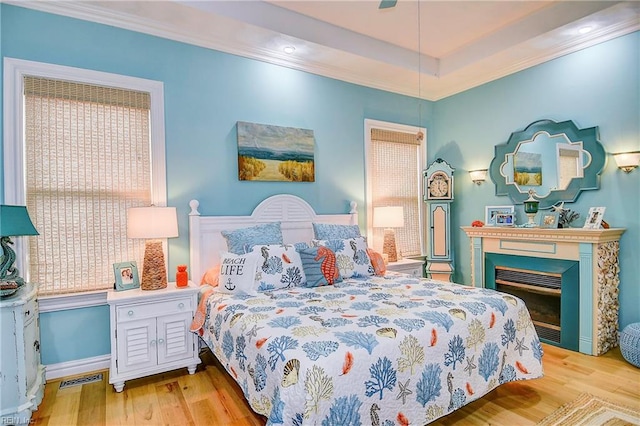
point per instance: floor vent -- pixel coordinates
(81, 381)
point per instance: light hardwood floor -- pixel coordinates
(211, 397)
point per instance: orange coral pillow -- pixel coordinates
(377, 261)
(211, 277)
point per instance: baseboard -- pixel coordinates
(78, 366)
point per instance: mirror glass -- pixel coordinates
(556, 160)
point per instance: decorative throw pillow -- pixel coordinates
(211, 276)
(351, 256)
(320, 267)
(237, 273)
(237, 239)
(278, 266)
(377, 261)
(332, 231)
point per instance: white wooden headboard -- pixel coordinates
(296, 216)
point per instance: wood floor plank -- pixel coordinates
(174, 407)
(92, 410)
(211, 397)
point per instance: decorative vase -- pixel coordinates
(182, 276)
(531, 209)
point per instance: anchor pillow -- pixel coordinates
(237, 273)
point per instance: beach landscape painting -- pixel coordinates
(527, 169)
(274, 153)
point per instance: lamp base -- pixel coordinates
(10, 281)
(154, 273)
(389, 245)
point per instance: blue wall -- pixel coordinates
(207, 92)
(599, 86)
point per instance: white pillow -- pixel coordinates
(351, 256)
(237, 273)
(278, 266)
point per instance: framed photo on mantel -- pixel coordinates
(594, 218)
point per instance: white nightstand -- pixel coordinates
(150, 332)
(407, 266)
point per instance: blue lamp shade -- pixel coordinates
(15, 221)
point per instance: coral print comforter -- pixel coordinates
(376, 350)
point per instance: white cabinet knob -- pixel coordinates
(153, 342)
(161, 341)
(130, 313)
(181, 305)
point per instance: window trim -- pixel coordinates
(13, 137)
(370, 124)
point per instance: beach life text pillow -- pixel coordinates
(237, 273)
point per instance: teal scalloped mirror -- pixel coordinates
(556, 160)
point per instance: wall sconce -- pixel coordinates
(627, 161)
(478, 176)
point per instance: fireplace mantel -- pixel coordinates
(596, 250)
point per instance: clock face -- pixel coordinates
(439, 186)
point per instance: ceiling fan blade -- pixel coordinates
(386, 4)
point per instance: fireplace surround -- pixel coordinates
(595, 253)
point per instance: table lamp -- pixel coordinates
(14, 222)
(389, 218)
(153, 224)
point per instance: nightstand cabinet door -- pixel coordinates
(175, 341)
(136, 344)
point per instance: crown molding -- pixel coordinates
(209, 31)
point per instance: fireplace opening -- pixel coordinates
(541, 292)
(548, 287)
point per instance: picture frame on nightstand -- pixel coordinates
(126, 276)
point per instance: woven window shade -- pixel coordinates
(395, 181)
(88, 159)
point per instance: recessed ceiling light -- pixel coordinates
(289, 49)
(585, 30)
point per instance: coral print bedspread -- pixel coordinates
(376, 350)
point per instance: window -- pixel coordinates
(83, 148)
(395, 160)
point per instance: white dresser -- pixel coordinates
(21, 372)
(150, 332)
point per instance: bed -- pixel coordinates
(369, 349)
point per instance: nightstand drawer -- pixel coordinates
(148, 310)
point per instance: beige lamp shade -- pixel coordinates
(389, 217)
(153, 223)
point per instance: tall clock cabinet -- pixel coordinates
(438, 194)
(21, 372)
